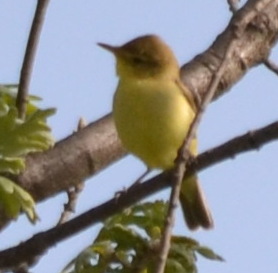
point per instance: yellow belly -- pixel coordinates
(152, 119)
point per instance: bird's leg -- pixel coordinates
(140, 178)
(136, 182)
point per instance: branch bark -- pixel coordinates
(251, 49)
(72, 160)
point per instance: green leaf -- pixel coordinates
(17, 139)
(149, 217)
(209, 253)
(8, 93)
(127, 243)
(14, 199)
(13, 165)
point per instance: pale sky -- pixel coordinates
(78, 78)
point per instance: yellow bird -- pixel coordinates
(153, 110)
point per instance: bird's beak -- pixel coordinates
(112, 49)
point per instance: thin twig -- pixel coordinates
(72, 192)
(23, 268)
(233, 4)
(184, 154)
(69, 207)
(39, 243)
(30, 53)
(183, 157)
(271, 66)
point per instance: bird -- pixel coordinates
(153, 110)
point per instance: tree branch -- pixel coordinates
(72, 160)
(27, 251)
(74, 191)
(252, 48)
(233, 4)
(271, 66)
(29, 58)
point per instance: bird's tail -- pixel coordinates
(194, 206)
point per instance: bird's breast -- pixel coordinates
(152, 118)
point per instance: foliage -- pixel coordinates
(17, 139)
(128, 242)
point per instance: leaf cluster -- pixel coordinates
(18, 138)
(129, 242)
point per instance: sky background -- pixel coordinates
(77, 77)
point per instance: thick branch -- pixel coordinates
(27, 252)
(72, 160)
(251, 49)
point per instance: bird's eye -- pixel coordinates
(137, 60)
